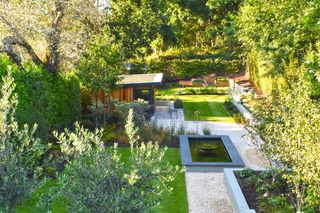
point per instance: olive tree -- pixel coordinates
(51, 33)
(20, 152)
(98, 179)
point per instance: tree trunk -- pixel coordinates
(104, 110)
(97, 110)
(10, 41)
(110, 104)
(53, 56)
(17, 39)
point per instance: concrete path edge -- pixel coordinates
(235, 193)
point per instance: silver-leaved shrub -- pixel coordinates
(98, 179)
(20, 152)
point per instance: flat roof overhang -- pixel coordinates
(134, 80)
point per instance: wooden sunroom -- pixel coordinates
(138, 86)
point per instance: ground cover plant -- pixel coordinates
(263, 192)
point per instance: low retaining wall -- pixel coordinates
(246, 114)
(235, 193)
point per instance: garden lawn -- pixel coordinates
(210, 107)
(170, 93)
(176, 201)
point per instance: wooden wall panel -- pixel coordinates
(126, 94)
(123, 94)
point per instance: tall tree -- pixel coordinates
(100, 68)
(289, 124)
(136, 23)
(49, 32)
(279, 30)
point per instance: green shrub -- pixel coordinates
(20, 153)
(189, 91)
(178, 104)
(232, 109)
(109, 133)
(246, 173)
(97, 180)
(206, 131)
(279, 200)
(262, 188)
(140, 110)
(252, 179)
(53, 102)
(186, 68)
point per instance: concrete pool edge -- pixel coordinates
(186, 159)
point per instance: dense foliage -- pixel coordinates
(20, 152)
(51, 33)
(140, 109)
(97, 180)
(277, 34)
(290, 124)
(49, 101)
(186, 69)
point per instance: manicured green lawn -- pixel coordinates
(170, 93)
(176, 201)
(210, 107)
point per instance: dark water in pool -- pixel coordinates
(208, 150)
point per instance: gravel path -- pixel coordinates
(206, 191)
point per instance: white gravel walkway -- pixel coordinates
(207, 193)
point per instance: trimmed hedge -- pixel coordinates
(185, 69)
(53, 102)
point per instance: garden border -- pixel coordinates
(235, 193)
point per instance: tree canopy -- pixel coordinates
(49, 33)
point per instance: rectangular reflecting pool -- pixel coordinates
(208, 150)
(207, 153)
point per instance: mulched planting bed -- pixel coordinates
(263, 194)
